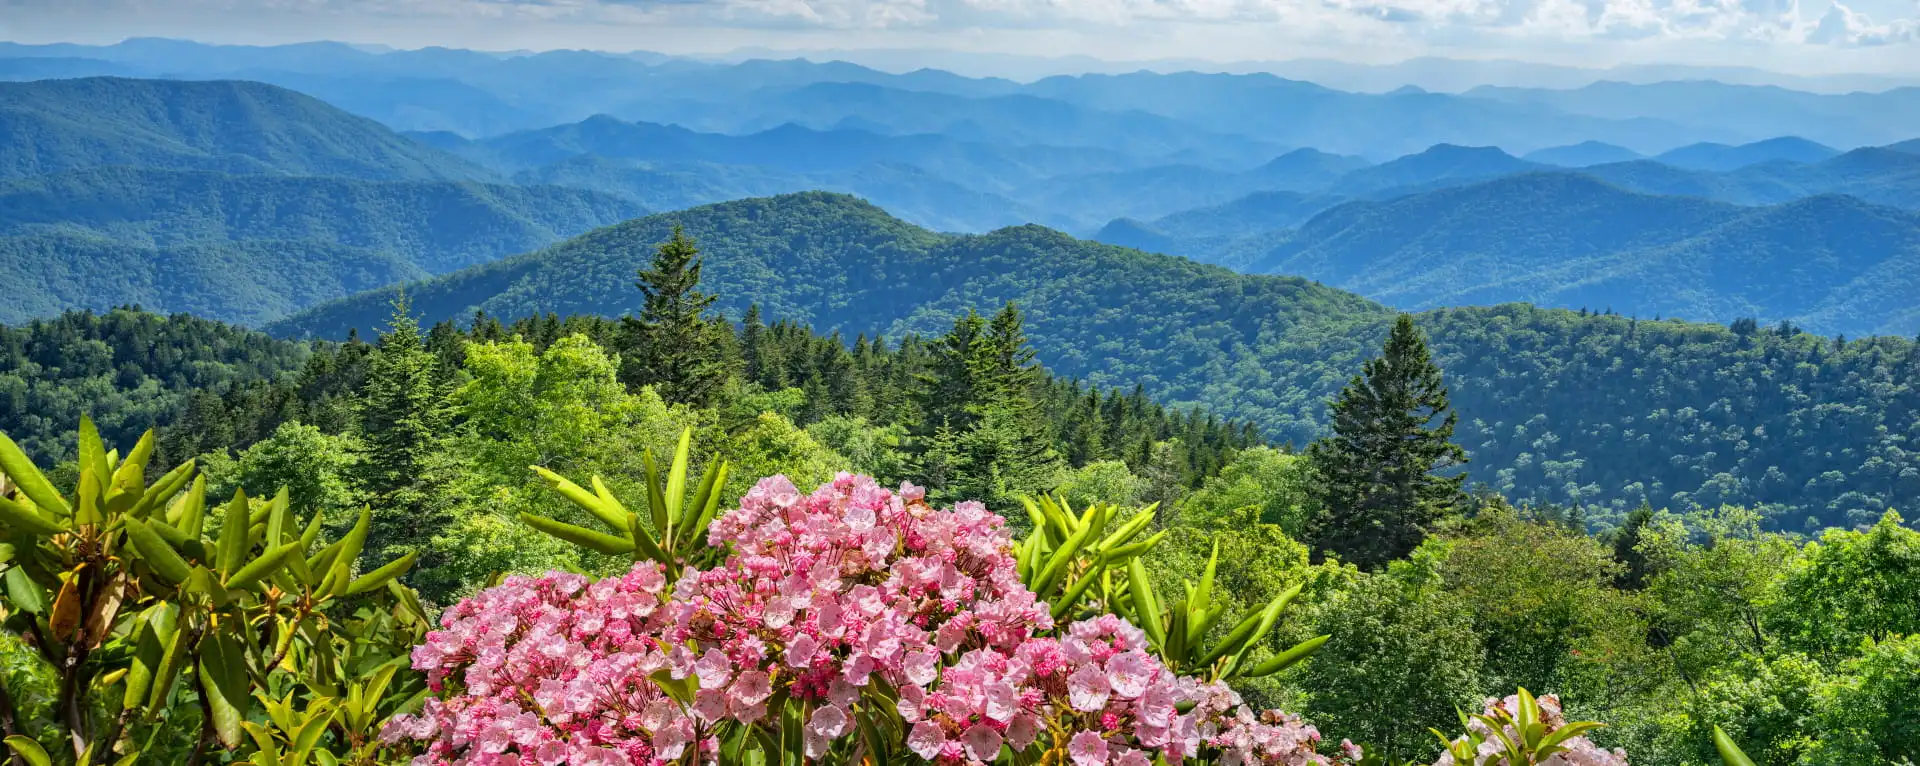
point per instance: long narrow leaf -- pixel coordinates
(581, 536)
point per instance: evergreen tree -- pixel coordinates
(673, 346)
(1635, 569)
(403, 408)
(1378, 491)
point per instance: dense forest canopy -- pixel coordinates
(1575, 408)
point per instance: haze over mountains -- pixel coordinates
(1250, 171)
(1232, 241)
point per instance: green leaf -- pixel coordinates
(16, 516)
(356, 539)
(155, 551)
(15, 464)
(581, 536)
(677, 478)
(23, 593)
(1063, 605)
(1203, 597)
(1730, 753)
(587, 501)
(131, 476)
(29, 750)
(1286, 659)
(1234, 639)
(93, 453)
(259, 568)
(233, 534)
(193, 512)
(656, 494)
(223, 678)
(378, 578)
(171, 662)
(1144, 603)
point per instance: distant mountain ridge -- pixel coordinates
(1556, 406)
(227, 126)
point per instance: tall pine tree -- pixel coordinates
(673, 345)
(403, 417)
(1378, 489)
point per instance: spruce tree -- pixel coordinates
(1378, 491)
(673, 345)
(403, 417)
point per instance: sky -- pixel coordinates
(1791, 36)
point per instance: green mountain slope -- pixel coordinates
(105, 237)
(1556, 406)
(1564, 239)
(250, 282)
(54, 126)
(129, 370)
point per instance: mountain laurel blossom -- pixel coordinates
(844, 605)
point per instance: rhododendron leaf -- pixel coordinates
(193, 511)
(171, 662)
(1235, 638)
(1057, 563)
(378, 578)
(1203, 596)
(706, 503)
(155, 551)
(1198, 629)
(1126, 531)
(279, 519)
(233, 534)
(1144, 604)
(129, 473)
(1268, 618)
(28, 479)
(355, 540)
(587, 501)
(1730, 753)
(613, 504)
(677, 479)
(1176, 645)
(268, 562)
(1063, 605)
(149, 648)
(269, 751)
(1286, 659)
(162, 491)
(223, 679)
(581, 536)
(656, 493)
(18, 516)
(29, 750)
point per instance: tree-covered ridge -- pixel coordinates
(254, 248)
(128, 369)
(227, 126)
(1273, 350)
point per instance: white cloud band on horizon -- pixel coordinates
(1704, 31)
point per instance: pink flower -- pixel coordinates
(1129, 673)
(1087, 749)
(927, 739)
(1088, 689)
(983, 743)
(751, 688)
(829, 721)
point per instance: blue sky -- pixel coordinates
(1794, 36)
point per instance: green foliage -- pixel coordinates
(1401, 658)
(227, 126)
(159, 613)
(1376, 487)
(1190, 635)
(1272, 483)
(1598, 411)
(673, 346)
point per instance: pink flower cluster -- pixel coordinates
(1579, 751)
(851, 601)
(552, 671)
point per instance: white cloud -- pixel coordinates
(1763, 32)
(1843, 26)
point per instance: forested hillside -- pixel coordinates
(1556, 406)
(255, 248)
(226, 126)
